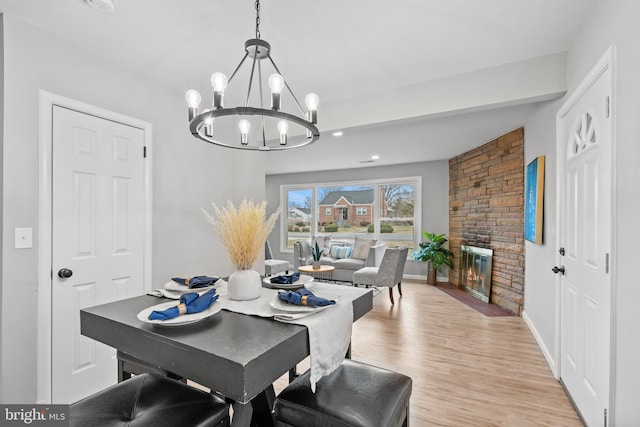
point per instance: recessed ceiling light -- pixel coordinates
(103, 5)
(337, 133)
(375, 157)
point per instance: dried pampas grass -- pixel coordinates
(243, 230)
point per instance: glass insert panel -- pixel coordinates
(345, 211)
(298, 215)
(397, 214)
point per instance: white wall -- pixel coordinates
(540, 305)
(187, 176)
(611, 22)
(435, 196)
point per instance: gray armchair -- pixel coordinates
(388, 274)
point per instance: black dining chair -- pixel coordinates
(355, 394)
(150, 400)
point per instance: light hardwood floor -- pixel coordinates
(467, 369)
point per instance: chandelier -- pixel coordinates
(254, 127)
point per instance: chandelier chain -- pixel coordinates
(257, 19)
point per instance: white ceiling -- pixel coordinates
(336, 48)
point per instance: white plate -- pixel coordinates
(278, 304)
(302, 280)
(177, 287)
(184, 319)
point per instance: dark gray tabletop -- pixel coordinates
(234, 354)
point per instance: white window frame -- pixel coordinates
(416, 181)
(327, 211)
(361, 210)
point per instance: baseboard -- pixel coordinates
(423, 278)
(545, 351)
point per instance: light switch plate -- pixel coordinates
(24, 238)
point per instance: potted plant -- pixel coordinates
(316, 253)
(433, 250)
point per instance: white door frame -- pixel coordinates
(46, 102)
(606, 61)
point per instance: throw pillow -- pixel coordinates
(339, 252)
(346, 252)
(361, 248)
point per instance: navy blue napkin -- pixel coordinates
(304, 297)
(190, 302)
(196, 282)
(285, 279)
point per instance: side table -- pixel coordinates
(323, 273)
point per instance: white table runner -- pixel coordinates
(329, 329)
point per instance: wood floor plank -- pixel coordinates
(467, 369)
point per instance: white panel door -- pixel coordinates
(98, 235)
(585, 236)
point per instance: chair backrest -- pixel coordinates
(392, 266)
(303, 249)
(267, 250)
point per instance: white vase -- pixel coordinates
(245, 285)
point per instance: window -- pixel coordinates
(298, 217)
(396, 216)
(383, 209)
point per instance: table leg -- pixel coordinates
(241, 414)
(293, 374)
(263, 408)
(122, 375)
(257, 413)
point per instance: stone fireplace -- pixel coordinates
(486, 209)
(475, 271)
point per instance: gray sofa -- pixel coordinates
(344, 267)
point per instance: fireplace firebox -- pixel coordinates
(475, 271)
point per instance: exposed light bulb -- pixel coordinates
(244, 126)
(219, 82)
(283, 127)
(312, 101)
(193, 98)
(208, 124)
(276, 83)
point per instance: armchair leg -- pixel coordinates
(391, 295)
(400, 288)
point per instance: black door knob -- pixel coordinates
(557, 269)
(65, 273)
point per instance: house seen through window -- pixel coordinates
(382, 209)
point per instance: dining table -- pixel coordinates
(236, 355)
